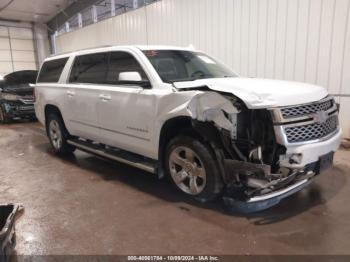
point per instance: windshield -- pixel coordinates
(177, 65)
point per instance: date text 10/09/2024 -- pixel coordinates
(172, 258)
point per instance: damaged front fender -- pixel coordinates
(213, 107)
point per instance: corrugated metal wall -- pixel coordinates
(301, 40)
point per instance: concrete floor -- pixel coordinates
(85, 205)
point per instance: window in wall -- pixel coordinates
(90, 68)
(73, 23)
(103, 9)
(123, 62)
(87, 16)
(51, 70)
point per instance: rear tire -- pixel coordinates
(58, 135)
(192, 168)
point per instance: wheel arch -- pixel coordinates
(184, 125)
(50, 108)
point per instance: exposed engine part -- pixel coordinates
(235, 167)
(255, 155)
(259, 183)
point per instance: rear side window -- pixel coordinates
(90, 68)
(51, 70)
(120, 62)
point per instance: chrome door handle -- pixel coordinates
(105, 97)
(70, 93)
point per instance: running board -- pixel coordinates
(116, 154)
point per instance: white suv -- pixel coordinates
(180, 113)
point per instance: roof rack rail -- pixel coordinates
(90, 48)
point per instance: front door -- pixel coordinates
(126, 112)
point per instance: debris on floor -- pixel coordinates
(8, 214)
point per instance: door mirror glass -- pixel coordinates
(130, 77)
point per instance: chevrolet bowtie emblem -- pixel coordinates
(320, 117)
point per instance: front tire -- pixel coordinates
(58, 135)
(3, 118)
(192, 168)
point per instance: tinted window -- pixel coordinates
(90, 69)
(51, 70)
(123, 62)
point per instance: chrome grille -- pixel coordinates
(303, 110)
(313, 131)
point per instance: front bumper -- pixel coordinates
(262, 202)
(16, 109)
(310, 152)
(316, 158)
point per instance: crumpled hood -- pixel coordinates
(261, 93)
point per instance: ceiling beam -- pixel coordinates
(68, 12)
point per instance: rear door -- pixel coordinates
(87, 77)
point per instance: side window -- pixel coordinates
(90, 68)
(120, 62)
(51, 70)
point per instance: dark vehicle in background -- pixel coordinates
(17, 96)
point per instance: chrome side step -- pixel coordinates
(117, 155)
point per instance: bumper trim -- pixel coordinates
(260, 203)
(281, 193)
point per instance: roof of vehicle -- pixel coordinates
(112, 47)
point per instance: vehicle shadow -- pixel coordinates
(324, 188)
(19, 121)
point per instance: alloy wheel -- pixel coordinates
(187, 170)
(55, 134)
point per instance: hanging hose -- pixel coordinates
(6, 5)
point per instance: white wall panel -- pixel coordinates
(291, 36)
(4, 43)
(5, 67)
(23, 56)
(271, 38)
(3, 31)
(16, 48)
(326, 39)
(5, 55)
(21, 33)
(24, 66)
(300, 40)
(128, 28)
(22, 44)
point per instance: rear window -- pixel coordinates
(51, 70)
(90, 68)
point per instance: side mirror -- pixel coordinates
(130, 77)
(133, 78)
